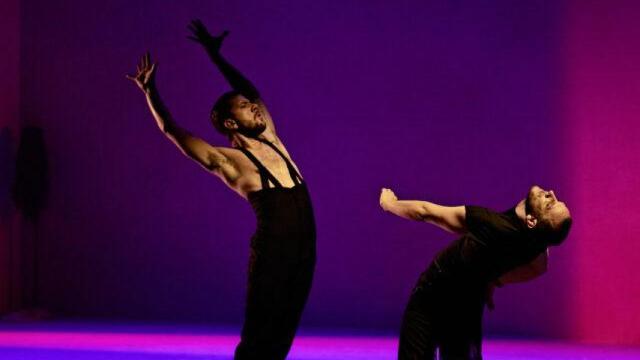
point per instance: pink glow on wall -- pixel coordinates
(602, 69)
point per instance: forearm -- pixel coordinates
(235, 79)
(160, 113)
(165, 121)
(446, 217)
(191, 146)
(407, 209)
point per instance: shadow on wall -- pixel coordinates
(23, 183)
(31, 181)
(29, 191)
(7, 167)
(6, 174)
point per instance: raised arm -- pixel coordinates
(449, 218)
(236, 80)
(193, 147)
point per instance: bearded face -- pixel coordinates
(545, 206)
(247, 116)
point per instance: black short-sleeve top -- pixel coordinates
(494, 244)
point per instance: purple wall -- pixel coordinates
(454, 102)
(10, 64)
(9, 125)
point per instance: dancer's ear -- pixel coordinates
(531, 221)
(230, 124)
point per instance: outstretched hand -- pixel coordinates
(201, 35)
(145, 73)
(386, 197)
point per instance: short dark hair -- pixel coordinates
(555, 234)
(221, 111)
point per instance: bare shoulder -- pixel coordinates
(239, 173)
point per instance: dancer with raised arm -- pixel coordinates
(259, 168)
(445, 309)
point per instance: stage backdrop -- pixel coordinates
(602, 77)
(454, 102)
(9, 132)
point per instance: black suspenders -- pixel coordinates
(265, 174)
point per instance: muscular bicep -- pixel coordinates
(450, 218)
(208, 156)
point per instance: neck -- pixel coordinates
(243, 141)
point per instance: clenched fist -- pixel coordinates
(386, 198)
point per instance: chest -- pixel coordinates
(274, 164)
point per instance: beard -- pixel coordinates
(252, 131)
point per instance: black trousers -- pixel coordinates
(444, 314)
(276, 296)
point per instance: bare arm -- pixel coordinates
(235, 79)
(193, 147)
(449, 218)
